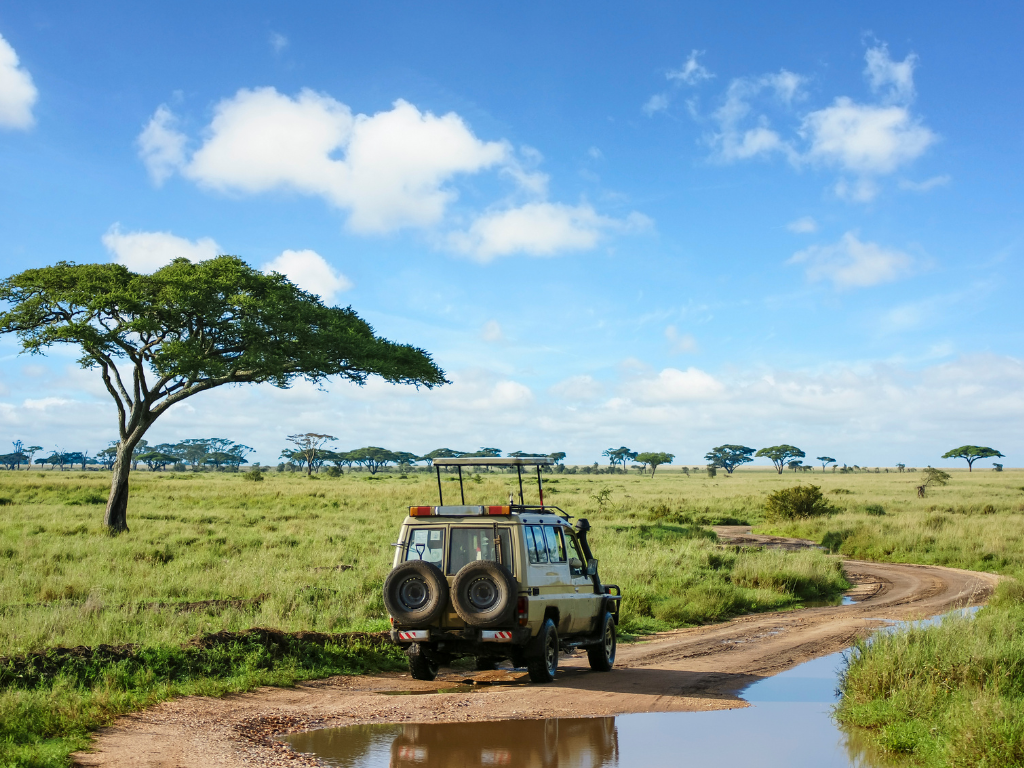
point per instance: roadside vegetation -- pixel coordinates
(951, 694)
(216, 553)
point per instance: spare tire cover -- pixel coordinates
(484, 594)
(415, 593)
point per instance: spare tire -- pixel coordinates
(484, 594)
(415, 593)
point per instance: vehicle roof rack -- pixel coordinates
(491, 461)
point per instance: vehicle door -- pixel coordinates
(549, 573)
(587, 603)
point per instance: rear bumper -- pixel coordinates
(469, 641)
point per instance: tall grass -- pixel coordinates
(947, 695)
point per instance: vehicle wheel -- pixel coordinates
(602, 655)
(484, 594)
(415, 593)
(420, 667)
(485, 663)
(542, 667)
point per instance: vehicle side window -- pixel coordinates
(426, 544)
(468, 544)
(535, 545)
(574, 552)
(556, 547)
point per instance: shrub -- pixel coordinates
(874, 509)
(254, 474)
(797, 503)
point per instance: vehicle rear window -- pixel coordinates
(426, 544)
(469, 544)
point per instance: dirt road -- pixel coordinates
(685, 670)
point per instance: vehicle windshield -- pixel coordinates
(469, 544)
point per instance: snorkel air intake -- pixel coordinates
(582, 526)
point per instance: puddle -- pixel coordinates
(788, 725)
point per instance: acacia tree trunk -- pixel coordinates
(116, 517)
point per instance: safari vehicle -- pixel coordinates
(510, 581)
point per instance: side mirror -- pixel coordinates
(592, 568)
(575, 564)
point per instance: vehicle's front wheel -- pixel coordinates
(542, 666)
(420, 667)
(602, 655)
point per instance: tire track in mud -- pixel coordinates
(696, 669)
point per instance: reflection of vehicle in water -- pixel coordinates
(589, 742)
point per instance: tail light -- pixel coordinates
(498, 510)
(421, 511)
(523, 610)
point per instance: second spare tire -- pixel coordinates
(484, 594)
(415, 593)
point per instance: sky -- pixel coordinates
(660, 225)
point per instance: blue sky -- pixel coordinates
(652, 225)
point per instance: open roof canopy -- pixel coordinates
(486, 461)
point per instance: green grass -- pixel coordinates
(210, 553)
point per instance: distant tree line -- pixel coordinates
(196, 454)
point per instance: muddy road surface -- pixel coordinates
(686, 670)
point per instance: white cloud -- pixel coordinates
(679, 342)
(927, 185)
(149, 251)
(539, 229)
(278, 42)
(864, 138)
(893, 80)
(18, 93)
(851, 263)
(388, 170)
(692, 71)
(162, 145)
(578, 389)
(657, 103)
(802, 226)
(595, 153)
(310, 272)
(733, 141)
(492, 333)
(672, 386)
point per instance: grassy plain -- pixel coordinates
(215, 552)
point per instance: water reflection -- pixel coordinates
(561, 743)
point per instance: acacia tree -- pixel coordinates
(780, 455)
(971, 453)
(728, 457)
(654, 460)
(187, 328)
(619, 456)
(309, 444)
(825, 461)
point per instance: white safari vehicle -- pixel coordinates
(506, 581)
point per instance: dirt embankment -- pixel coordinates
(686, 670)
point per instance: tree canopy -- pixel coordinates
(825, 461)
(654, 460)
(619, 456)
(971, 453)
(728, 457)
(780, 455)
(187, 328)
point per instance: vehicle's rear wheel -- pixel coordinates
(602, 655)
(543, 665)
(484, 594)
(420, 667)
(415, 593)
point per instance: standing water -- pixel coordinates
(788, 725)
